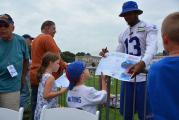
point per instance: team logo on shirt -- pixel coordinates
(141, 29)
(74, 99)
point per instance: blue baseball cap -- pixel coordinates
(130, 6)
(74, 71)
(5, 18)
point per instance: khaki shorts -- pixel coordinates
(10, 100)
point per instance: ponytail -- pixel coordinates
(40, 72)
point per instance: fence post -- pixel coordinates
(134, 98)
(108, 98)
(124, 107)
(100, 106)
(145, 98)
(116, 99)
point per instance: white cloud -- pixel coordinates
(82, 25)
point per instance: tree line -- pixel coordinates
(68, 56)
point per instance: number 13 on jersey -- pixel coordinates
(134, 41)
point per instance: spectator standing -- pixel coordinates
(139, 39)
(163, 75)
(14, 57)
(41, 44)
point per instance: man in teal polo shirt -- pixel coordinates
(14, 60)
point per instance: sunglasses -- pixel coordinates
(4, 25)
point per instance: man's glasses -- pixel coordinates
(4, 25)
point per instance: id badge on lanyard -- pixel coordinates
(11, 69)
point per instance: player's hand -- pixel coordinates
(136, 69)
(103, 52)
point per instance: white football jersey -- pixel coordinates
(139, 40)
(85, 98)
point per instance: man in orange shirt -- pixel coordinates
(42, 43)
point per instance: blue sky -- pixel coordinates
(83, 25)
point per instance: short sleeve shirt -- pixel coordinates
(12, 52)
(85, 98)
(41, 44)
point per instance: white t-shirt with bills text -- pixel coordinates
(85, 98)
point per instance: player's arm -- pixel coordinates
(151, 49)
(151, 45)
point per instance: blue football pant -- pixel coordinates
(141, 101)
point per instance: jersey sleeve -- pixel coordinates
(151, 44)
(120, 47)
(94, 96)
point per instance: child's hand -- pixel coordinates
(63, 90)
(112, 96)
(103, 77)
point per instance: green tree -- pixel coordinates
(68, 56)
(88, 54)
(80, 54)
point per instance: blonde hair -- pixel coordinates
(170, 27)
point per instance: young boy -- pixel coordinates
(163, 76)
(79, 95)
